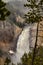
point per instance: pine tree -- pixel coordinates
(34, 15)
(3, 11)
(7, 61)
(27, 58)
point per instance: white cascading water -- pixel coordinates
(22, 44)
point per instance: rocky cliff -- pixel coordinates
(8, 35)
(40, 34)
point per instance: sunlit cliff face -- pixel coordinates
(40, 34)
(19, 19)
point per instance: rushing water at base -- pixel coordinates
(22, 44)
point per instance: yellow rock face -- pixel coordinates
(40, 34)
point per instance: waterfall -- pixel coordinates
(22, 44)
(24, 41)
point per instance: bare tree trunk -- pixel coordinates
(34, 51)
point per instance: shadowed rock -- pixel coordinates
(8, 36)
